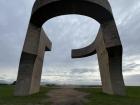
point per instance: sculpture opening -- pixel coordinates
(76, 31)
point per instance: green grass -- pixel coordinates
(7, 98)
(96, 97)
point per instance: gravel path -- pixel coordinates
(66, 96)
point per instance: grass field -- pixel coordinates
(96, 97)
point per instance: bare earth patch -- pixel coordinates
(66, 96)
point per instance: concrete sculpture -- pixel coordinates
(107, 44)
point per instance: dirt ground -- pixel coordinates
(67, 96)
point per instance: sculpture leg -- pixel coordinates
(30, 67)
(110, 64)
(44, 45)
(111, 71)
(29, 75)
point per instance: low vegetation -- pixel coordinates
(95, 97)
(7, 98)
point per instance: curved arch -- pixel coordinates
(84, 52)
(43, 11)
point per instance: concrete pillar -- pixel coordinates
(109, 52)
(31, 62)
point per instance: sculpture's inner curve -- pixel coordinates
(73, 28)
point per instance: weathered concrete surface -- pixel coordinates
(110, 64)
(30, 68)
(44, 10)
(107, 44)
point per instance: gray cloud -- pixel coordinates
(133, 80)
(82, 71)
(127, 16)
(130, 67)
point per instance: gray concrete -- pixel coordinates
(107, 45)
(30, 68)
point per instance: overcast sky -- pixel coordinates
(67, 33)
